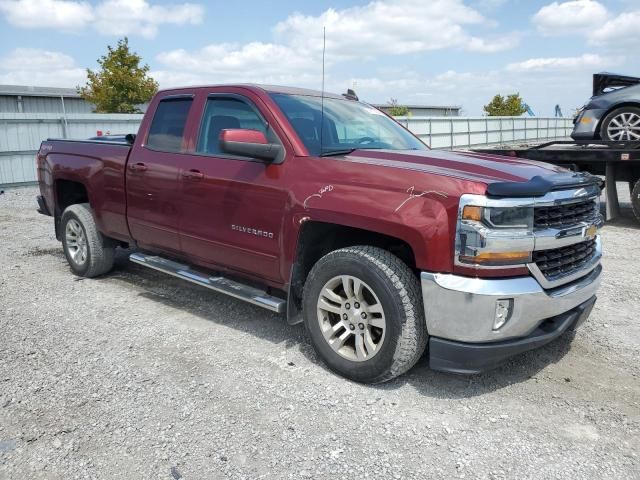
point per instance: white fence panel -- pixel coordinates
(466, 132)
(22, 133)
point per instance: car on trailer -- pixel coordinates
(613, 112)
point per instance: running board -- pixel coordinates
(220, 284)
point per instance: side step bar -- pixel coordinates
(218, 283)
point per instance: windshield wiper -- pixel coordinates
(331, 153)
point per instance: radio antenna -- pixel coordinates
(324, 48)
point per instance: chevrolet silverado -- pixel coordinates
(324, 209)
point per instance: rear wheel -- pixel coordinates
(622, 125)
(88, 252)
(364, 314)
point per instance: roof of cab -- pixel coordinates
(265, 88)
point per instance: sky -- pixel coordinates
(434, 52)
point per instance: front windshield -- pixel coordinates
(348, 125)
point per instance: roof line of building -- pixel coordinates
(29, 91)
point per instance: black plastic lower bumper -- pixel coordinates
(469, 358)
(42, 206)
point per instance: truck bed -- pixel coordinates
(98, 165)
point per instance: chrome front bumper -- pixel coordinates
(463, 309)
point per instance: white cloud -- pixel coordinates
(620, 31)
(110, 17)
(577, 16)
(252, 62)
(588, 61)
(29, 66)
(391, 27)
(122, 17)
(592, 20)
(58, 14)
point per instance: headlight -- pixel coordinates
(493, 236)
(500, 217)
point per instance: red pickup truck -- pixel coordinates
(325, 209)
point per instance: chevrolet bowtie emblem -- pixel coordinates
(590, 231)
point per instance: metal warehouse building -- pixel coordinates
(24, 99)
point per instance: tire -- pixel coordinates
(386, 284)
(635, 200)
(78, 230)
(621, 116)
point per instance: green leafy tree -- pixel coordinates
(511, 106)
(397, 110)
(121, 83)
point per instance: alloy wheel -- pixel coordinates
(625, 126)
(351, 318)
(76, 242)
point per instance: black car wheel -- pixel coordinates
(621, 125)
(88, 252)
(364, 314)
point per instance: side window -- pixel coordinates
(167, 126)
(226, 113)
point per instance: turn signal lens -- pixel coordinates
(471, 212)
(500, 258)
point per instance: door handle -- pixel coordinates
(138, 167)
(193, 174)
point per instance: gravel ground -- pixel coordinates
(139, 375)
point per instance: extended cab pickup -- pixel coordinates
(323, 208)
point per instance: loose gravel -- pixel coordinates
(140, 375)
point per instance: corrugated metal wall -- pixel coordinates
(22, 133)
(43, 104)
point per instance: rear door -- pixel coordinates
(153, 185)
(232, 207)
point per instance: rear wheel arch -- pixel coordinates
(316, 239)
(67, 193)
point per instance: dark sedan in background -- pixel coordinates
(613, 112)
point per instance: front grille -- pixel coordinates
(565, 215)
(565, 260)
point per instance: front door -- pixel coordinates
(232, 207)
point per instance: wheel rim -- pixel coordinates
(625, 126)
(351, 318)
(76, 242)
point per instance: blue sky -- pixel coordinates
(439, 52)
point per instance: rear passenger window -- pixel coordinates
(167, 126)
(223, 114)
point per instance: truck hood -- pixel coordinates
(504, 176)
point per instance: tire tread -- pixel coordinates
(413, 338)
(101, 253)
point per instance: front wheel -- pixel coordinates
(364, 314)
(88, 252)
(622, 125)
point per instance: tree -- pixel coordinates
(511, 106)
(397, 110)
(121, 84)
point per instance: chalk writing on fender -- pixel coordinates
(324, 190)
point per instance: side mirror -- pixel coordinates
(248, 143)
